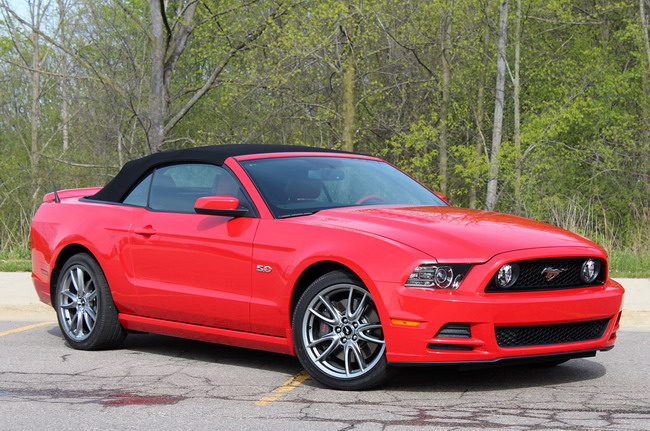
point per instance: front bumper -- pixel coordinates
(510, 361)
(483, 312)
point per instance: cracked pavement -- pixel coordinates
(165, 383)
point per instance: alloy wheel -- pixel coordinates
(78, 303)
(342, 333)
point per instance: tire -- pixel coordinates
(84, 306)
(337, 333)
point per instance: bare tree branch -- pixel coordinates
(241, 46)
(78, 164)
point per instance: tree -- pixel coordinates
(479, 113)
(446, 17)
(497, 131)
(516, 101)
(172, 24)
(96, 83)
(645, 102)
(30, 57)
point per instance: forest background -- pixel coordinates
(539, 108)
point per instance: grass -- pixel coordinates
(15, 265)
(15, 260)
(629, 264)
(622, 263)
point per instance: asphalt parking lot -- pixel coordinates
(164, 383)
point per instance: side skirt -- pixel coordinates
(205, 333)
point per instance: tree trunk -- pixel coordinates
(644, 29)
(120, 144)
(479, 140)
(157, 90)
(348, 104)
(497, 128)
(516, 90)
(349, 27)
(64, 79)
(445, 54)
(35, 82)
(645, 100)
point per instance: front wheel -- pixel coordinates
(338, 335)
(84, 306)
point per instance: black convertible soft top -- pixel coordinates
(133, 171)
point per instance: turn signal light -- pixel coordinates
(401, 322)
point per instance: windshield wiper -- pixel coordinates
(299, 214)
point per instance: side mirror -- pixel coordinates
(219, 205)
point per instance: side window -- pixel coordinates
(140, 194)
(177, 187)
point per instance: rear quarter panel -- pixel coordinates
(100, 228)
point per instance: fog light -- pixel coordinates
(507, 275)
(590, 270)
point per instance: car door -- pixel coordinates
(190, 267)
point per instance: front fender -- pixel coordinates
(372, 258)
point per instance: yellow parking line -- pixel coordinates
(289, 385)
(25, 328)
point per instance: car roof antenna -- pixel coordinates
(57, 199)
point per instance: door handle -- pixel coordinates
(146, 231)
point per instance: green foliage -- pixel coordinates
(584, 162)
(629, 264)
(15, 260)
(415, 152)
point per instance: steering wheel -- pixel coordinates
(367, 198)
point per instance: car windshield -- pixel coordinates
(294, 186)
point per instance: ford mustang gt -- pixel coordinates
(339, 259)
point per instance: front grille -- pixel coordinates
(532, 277)
(542, 335)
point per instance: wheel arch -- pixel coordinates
(311, 274)
(66, 253)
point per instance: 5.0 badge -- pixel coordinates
(263, 268)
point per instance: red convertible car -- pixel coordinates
(340, 259)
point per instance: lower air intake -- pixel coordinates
(541, 335)
(455, 330)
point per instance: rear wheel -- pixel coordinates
(338, 335)
(84, 306)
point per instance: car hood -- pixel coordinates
(451, 234)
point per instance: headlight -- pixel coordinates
(507, 275)
(438, 276)
(590, 270)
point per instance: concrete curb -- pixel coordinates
(19, 302)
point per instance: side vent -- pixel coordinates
(455, 330)
(450, 347)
